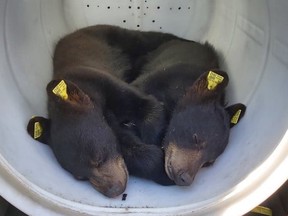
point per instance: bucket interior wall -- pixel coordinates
(252, 38)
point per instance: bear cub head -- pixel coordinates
(198, 131)
(81, 139)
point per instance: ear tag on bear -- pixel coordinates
(61, 90)
(37, 130)
(213, 80)
(235, 117)
(262, 210)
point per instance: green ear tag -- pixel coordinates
(61, 90)
(235, 117)
(213, 80)
(37, 130)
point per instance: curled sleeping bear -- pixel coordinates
(91, 68)
(184, 76)
(101, 128)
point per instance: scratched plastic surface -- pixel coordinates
(252, 37)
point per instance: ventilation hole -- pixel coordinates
(129, 7)
(108, 7)
(160, 27)
(98, 6)
(147, 7)
(138, 26)
(189, 8)
(144, 14)
(179, 8)
(124, 21)
(153, 21)
(171, 8)
(158, 7)
(88, 5)
(118, 7)
(138, 8)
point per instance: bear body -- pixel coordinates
(177, 74)
(172, 68)
(101, 128)
(91, 68)
(101, 60)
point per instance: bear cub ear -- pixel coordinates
(236, 112)
(210, 84)
(67, 93)
(39, 129)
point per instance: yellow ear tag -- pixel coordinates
(213, 80)
(37, 130)
(236, 116)
(262, 210)
(61, 90)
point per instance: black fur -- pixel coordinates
(88, 130)
(142, 159)
(172, 68)
(99, 59)
(96, 63)
(176, 74)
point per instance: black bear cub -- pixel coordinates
(183, 75)
(91, 68)
(101, 128)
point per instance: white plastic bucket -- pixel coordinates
(251, 35)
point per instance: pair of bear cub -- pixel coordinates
(145, 103)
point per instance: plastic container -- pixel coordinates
(252, 36)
